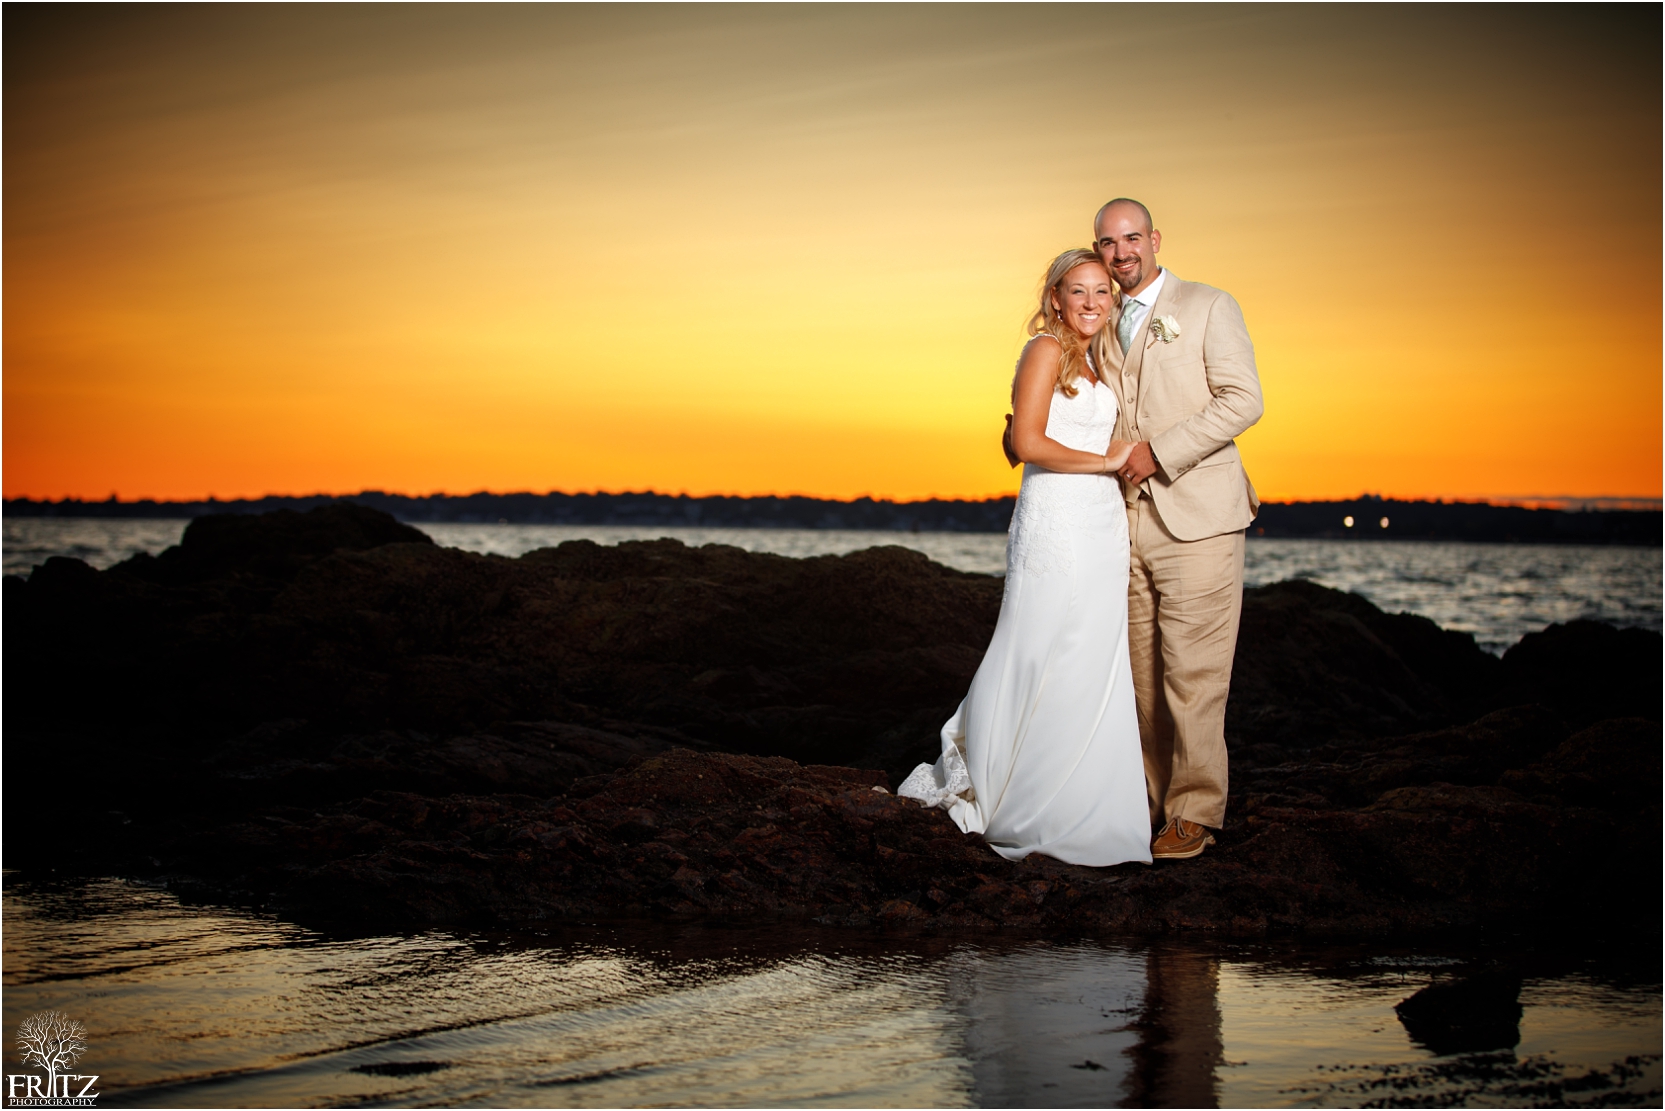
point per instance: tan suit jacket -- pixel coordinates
(1190, 398)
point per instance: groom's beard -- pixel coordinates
(1131, 281)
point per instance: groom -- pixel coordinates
(1183, 370)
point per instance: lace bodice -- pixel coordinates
(1084, 422)
(1048, 502)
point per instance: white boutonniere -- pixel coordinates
(1166, 328)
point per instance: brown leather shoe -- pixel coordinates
(1180, 840)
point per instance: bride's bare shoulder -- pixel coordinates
(1042, 352)
(1042, 349)
(1037, 367)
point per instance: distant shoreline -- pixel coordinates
(1406, 520)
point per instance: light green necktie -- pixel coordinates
(1124, 326)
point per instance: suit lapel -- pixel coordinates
(1165, 303)
(1138, 352)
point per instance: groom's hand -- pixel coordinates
(1006, 443)
(1140, 465)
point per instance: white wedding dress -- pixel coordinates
(1043, 754)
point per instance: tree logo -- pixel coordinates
(51, 1041)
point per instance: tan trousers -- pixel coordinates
(1184, 598)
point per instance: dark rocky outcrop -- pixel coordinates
(853, 659)
(1474, 1014)
(1586, 669)
(1315, 664)
(324, 713)
(276, 545)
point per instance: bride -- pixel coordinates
(1043, 754)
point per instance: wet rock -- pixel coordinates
(289, 761)
(401, 1068)
(1356, 771)
(733, 836)
(1614, 765)
(297, 714)
(1469, 1015)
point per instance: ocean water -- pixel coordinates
(1498, 592)
(194, 1006)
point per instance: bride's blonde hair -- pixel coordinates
(1046, 320)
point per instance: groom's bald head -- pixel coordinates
(1129, 202)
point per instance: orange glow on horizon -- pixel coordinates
(771, 250)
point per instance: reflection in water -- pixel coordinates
(211, 1007)
(1177, 1058)
(1047, 1026)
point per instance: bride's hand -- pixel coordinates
(1119, 453)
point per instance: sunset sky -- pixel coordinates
(756, 249)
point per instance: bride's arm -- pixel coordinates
(1031, 405)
